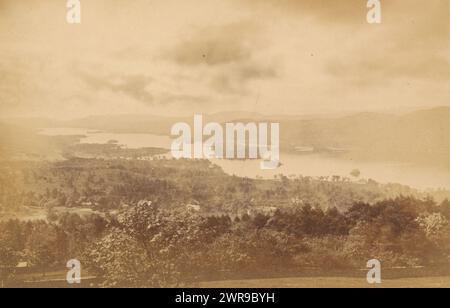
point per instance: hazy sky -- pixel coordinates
(175, 57)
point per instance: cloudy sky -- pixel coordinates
(174, 57)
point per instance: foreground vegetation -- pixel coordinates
(147, 245)
(177, 223)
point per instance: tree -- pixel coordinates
(151, 247)
(8, 260)
(445, 208)
(121, 261)
(355, 173)
(432, 224)
(42, 249)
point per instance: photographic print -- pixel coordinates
(224, 145)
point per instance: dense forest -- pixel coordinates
(149, 245)
(175, 222)
(110, 184)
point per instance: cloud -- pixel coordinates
(137, 87)
(9, 86)
(216, 45)
(235, 79)
(16, 83)
(227, 55)
(165, 56)
(134, 86)
(167, 98)
(352, 11)
(381, 69)
(411, 44)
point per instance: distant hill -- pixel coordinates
(19, 142)
(419, 136)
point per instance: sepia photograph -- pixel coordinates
(224, 149)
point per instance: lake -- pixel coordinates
(132, 141)
(311, 164)
(315, 165)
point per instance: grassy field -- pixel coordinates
(25, 214)
(331, 282)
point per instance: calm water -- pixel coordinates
(422, 177)
(132, 141)
(315, 165)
